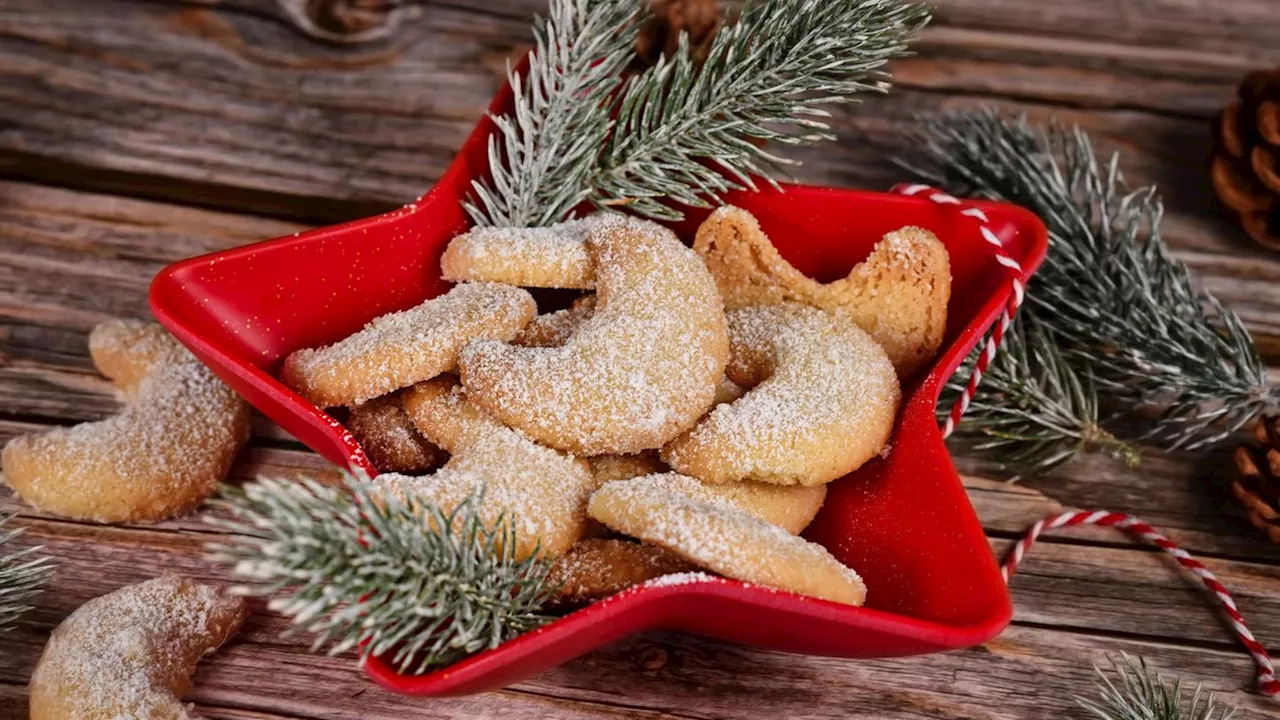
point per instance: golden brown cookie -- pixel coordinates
(725, 540)
(822, 401)
(541, 492)
(899, 294)
(554, 329)
(158, 458)
(397, 350)
(790, 507)
(641, 370)
(607, 468)
(596, 568)
(542, 257)
(390, 439)
(131, 654)
(728, 391)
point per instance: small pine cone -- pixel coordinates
(1246, 158)
(661, 36)
(1258, 485)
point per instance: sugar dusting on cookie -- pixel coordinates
(551, 257)
(128, 654)
(639, 371)
(540, 492)
(161, 455)
(791, 507)
(725, 540)
(397, 350)
(822, 400)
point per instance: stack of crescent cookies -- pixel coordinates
(685, 412)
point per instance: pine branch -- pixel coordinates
(544, 151)
(369, 571)
(22, 575)
(1034, 411)
(686, 130)
(1142, 694)
(1122, 309)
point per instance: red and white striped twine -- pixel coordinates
(1016, 295)
(1267, 683)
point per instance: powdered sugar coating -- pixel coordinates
(676, 579)
(542, 493)
(637, 373)
(397, 350)
(130, 654)
(822, 401)
(596, 568)
(790, 507)
(549, 257)
(725, 540)
(159, 457)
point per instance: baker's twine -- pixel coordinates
(1268, 685)
(1016, 295)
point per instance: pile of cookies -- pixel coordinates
(687, 411)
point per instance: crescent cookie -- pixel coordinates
(158, 458)
(554, 329)
(546, 257)
(790, 507)
(542, 492)
(390, 439)
(899, 294)
(725, 540)
(596, 568)
(822, 401)
(640, 371)
(131, 654)
(397, 350)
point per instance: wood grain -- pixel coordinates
(1106, 588)
(137, 132)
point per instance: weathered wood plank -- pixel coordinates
(342, 130)
(1237, 31)
(1122, 589)
(1029, 668)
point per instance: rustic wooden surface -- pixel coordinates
(138, 132)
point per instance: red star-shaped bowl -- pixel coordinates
(903, 521)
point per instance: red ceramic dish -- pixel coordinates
(904, 522)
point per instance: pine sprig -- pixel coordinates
(544, 151)
(686, 130)
(1168, 357)
(1142, 694)
(1035, 411)
(370, 571)
(22, 575)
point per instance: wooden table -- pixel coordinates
(138, 132)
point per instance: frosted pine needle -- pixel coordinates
(1140, 693)
(1034, 410)
(545, 149)
(23, 573)
(686, 130)
(1175, 366)
(403, 580)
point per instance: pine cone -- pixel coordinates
(1258, 485)
(1246, 158)
(699, 18)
